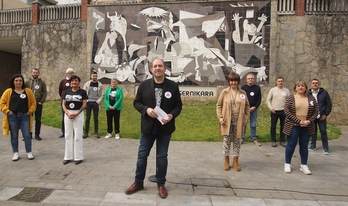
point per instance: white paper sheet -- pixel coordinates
(161, 114)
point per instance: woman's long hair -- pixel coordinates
(13, 78)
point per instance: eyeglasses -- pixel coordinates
(315, 83)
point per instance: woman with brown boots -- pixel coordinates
(233, 112)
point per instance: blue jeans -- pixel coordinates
(300, 134)
(162, 145)
(274, 119)
(16, 122)
(253, 118)
(322, 128)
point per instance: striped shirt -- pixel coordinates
(290, 111)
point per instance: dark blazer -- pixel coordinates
(170, 103)
(324, 101)
(290, 115)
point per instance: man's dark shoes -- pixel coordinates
(61, 136)
(162, 192)
(77, 162)
(38, 138)
(283, 144)
(65, 162)
(135, 187)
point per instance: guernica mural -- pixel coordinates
(200, 42)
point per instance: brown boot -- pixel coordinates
(235, 164)
(227, 163)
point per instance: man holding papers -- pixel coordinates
(159, 103)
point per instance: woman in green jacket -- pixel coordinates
(113, 103)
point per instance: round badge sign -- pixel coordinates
(168, 95)
(71, 105)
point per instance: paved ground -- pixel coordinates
(195, 174)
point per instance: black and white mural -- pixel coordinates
(200, 42)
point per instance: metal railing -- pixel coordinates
(286, 7)
(314, 7)
(326, 7)
(67, 12)
(16, 16)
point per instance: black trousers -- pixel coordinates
(274, 120)
(113, 115)
(92, 106)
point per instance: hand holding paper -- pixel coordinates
(161, 114)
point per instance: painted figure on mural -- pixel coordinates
(119, 24)
(99, 19)
(249, 29)
(107, 55)
(252, 38)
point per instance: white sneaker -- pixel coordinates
(287, 168)
(108, 136)
(117, 136)
(305, 169)
(30, 156)
(15, 156)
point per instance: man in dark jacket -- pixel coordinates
(325, 107)
(155, 98)
(64, 85)
(38, 86)
(253, 92)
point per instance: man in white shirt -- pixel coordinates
(275, 102)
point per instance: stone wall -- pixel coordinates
(53, 48)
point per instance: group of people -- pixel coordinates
(157, 100)
(159, 103)
(300, 115)
(75, 100)
(23, 101)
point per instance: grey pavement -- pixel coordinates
(195, 174)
